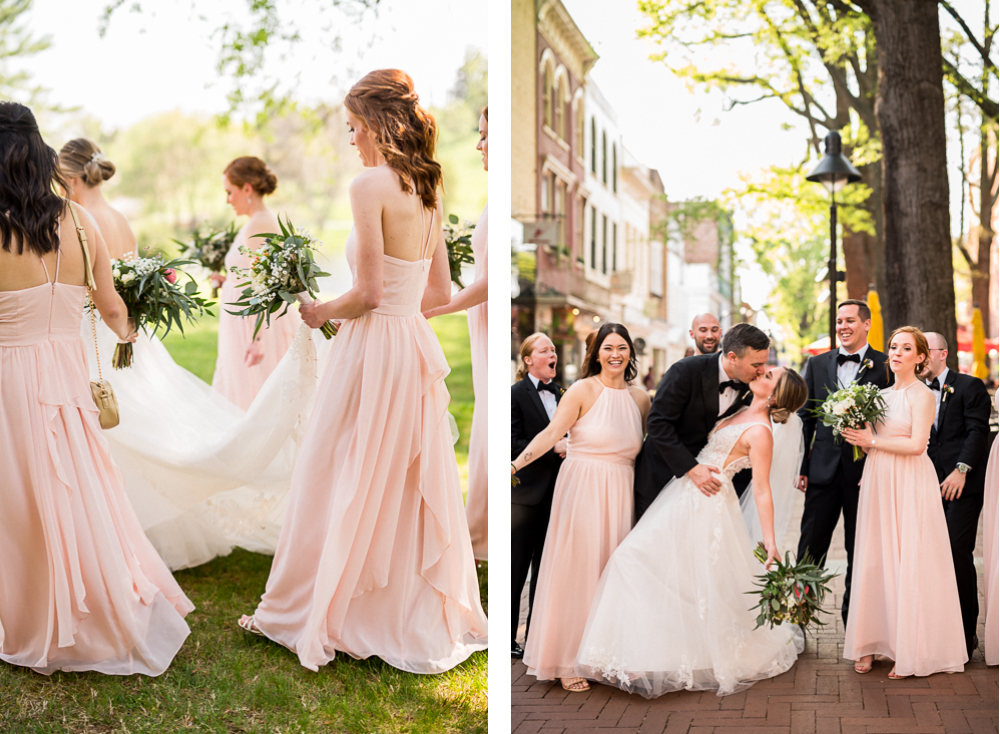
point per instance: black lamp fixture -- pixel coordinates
(834, 172)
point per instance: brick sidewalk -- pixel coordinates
(820, 694)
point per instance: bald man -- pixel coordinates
(959, 448)
(706, 332)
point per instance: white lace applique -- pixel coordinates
(685, 676)
(713, 548)
(609, 666)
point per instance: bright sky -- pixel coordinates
(699, 148)
(165, 58)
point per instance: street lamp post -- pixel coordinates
(834, 172)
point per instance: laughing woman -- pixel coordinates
(592, 507)
(473, 300)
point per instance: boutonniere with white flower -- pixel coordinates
(867, 364)
(945, 392)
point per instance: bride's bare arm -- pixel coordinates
(761, 445)
(567, 413)
(366, 294)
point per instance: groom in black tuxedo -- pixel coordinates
(694, 394)
(959, 447)
(533, 400)
(829, 476)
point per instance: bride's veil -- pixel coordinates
(786, 461)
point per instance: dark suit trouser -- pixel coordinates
(962, 516)
(528, 524)
(640, 504)
(824, 503)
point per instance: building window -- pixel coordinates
(604, 244)
(593, 146)
(557, 109)
(604, 157)
(581, 219)
(614, 246)
(560, 202)
(593, 237)
(581, 125)
(614, 168)
(547, 94)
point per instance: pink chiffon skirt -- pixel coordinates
(991, 550)
(477, 501)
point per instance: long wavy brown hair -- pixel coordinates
(404, 132)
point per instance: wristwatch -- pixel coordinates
(962, 468)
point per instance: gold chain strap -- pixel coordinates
(93, 328)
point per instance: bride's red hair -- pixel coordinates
(404, 132)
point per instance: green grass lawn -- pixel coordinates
(226, 681)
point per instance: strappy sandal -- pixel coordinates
(247, 624)
(861, 668)
(893, 676)
(575, 685)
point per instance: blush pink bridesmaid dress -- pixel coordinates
(374, 558)
(991, 556)
(82, 588)
(904, 598)
(591, 515)
(477, 500)
(233, 379)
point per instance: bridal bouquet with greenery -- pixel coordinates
(790, 592)
(851, 407)
(282, 272)
(209, 249)
(149, 288)
(458, 238)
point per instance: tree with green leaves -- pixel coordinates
(17, 43)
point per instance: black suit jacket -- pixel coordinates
(963, 430)
(685, 409)
(527, 419)
(823, 452)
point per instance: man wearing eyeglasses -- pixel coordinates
(958, 446)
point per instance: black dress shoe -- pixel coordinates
(516, 651)
(971, 645)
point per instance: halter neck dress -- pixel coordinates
(82, 587)
(374, 558)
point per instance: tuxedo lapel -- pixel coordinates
(831, 372)
(946, 397)
(710, 391)
(535, 399)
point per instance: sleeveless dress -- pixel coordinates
(591, 513)
(477, 500)
(991, 555)
(904, 597)
(374, 557)
(672, 610)
(82, 587)
(233, 379)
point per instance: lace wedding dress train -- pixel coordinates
(672, 610)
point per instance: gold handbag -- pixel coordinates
(100, 389)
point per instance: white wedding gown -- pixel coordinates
(202, 475)
(672, 610)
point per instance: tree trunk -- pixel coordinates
(909, 105)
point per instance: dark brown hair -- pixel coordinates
(83, 159)
(30, 208)
(486, 113)
(920, 341)
(591, 364)
(742, 337)
(864, 313)
(789, 395)
(403, 131)
(249, 169)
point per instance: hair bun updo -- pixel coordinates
(249, 169)
(790, 394)
(83, 159)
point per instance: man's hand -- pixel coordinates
(706, 479)
(952, 486)
(803, 483)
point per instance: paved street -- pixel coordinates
(820, 694)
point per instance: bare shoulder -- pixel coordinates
(640, 396)
(583, 389)
(373, 181)
(759, 435)
(920, 396)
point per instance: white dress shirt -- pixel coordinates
(728, 396)
(848, 371)
(937, 395)
(548, 399)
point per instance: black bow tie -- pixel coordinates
(934, 384)
(841, 358)
(550, 386)
(734, 384)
